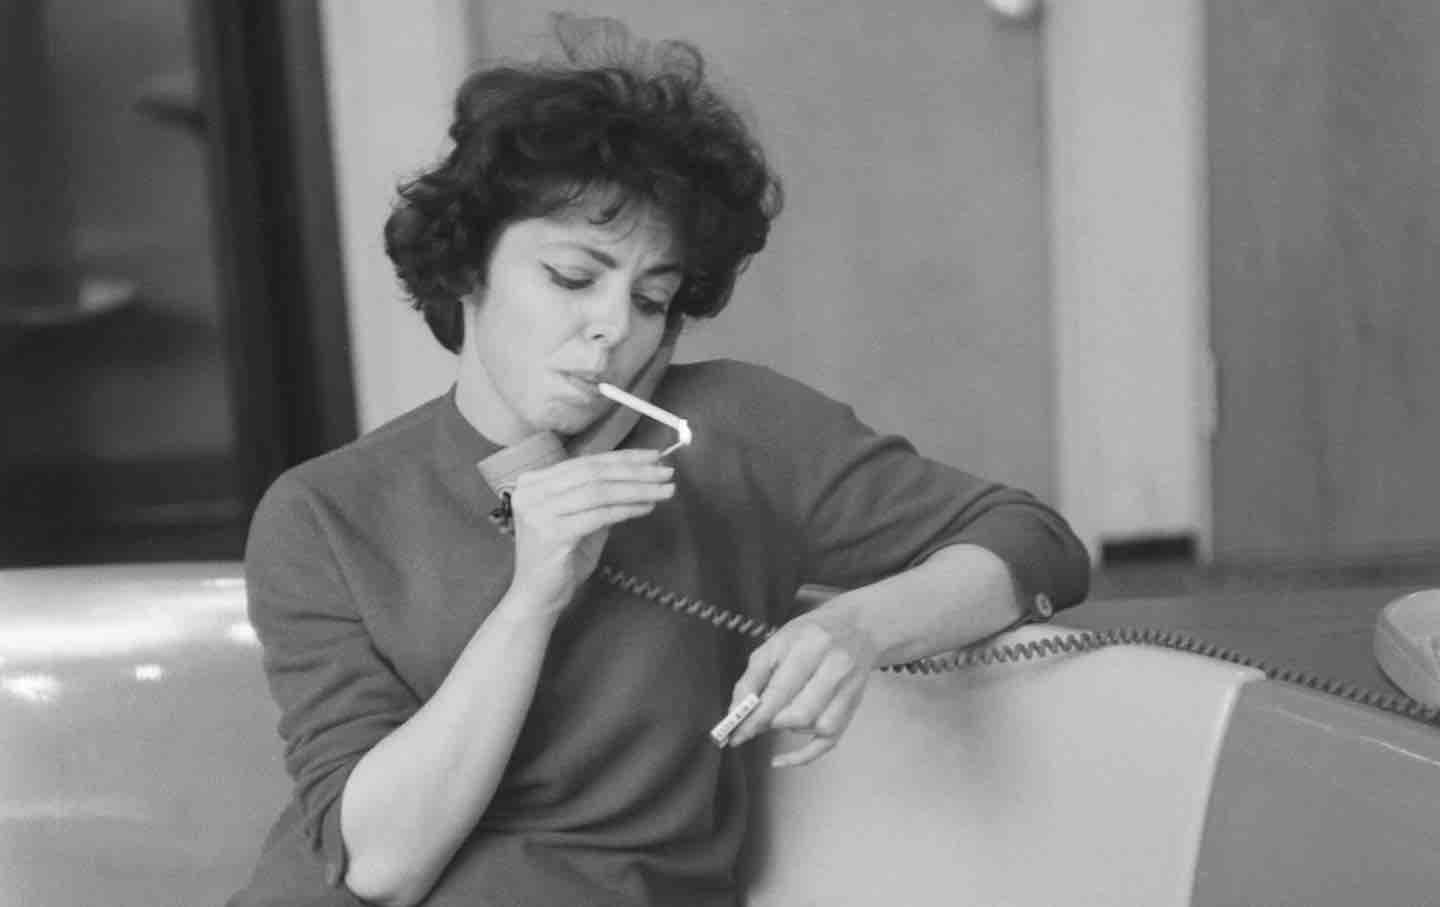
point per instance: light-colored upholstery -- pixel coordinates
(138, 764)
(1076, 780)
(138, 758)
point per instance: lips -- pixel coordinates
(584, 382)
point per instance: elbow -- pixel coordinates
(382, 868)
(385, 885)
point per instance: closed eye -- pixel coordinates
(567, 282)
(646, 304)
(650, 306)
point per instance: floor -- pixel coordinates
(1183, 577)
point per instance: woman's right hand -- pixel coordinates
(563, 514)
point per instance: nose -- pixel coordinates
(608, 319)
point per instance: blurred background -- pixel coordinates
(171, 309)
(1169, 264)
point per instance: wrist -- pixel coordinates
(849, 619)
(529, 607)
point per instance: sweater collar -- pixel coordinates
(461, 443)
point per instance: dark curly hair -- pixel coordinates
(616, 120)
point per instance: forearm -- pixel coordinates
(956, 596)
(414, 797)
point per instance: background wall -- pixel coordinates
(393, 68)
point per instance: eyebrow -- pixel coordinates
(609, 260)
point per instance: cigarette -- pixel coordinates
(721, 732)
(646, 408)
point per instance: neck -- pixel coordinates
(478, 402)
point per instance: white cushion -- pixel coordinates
(1078, 779)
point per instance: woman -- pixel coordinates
(470, 715)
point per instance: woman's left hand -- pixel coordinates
(810, 677)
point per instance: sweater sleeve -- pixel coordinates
(337, 695)
(868, 505)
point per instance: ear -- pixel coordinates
(468, 283)
(472, 296)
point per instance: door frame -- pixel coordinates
(1125, 126)
(277, 241)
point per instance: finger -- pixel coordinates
(819, 691)
(620, 456)
(841, 710)
(608, 494)
(787, 679)
(806, 753)
(595, 490)
(757, 674)
(614, 464)
(580, 525)
(758, 669)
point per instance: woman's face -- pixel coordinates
(565, 303)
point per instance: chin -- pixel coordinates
(567, 420)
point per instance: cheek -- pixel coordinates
(641, 344)
(503, 343)
(522, 322)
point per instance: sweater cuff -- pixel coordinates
(1049, 568)
(330, 847)
(327, 843)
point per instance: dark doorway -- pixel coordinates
(172, 318)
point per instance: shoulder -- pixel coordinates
(363, 468)
(730, 392)
(707, 375)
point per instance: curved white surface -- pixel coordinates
(138, 758)
(1075, 780)
(54, 615)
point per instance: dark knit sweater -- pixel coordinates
(369, 569)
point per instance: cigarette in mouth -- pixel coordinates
(646, 408)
